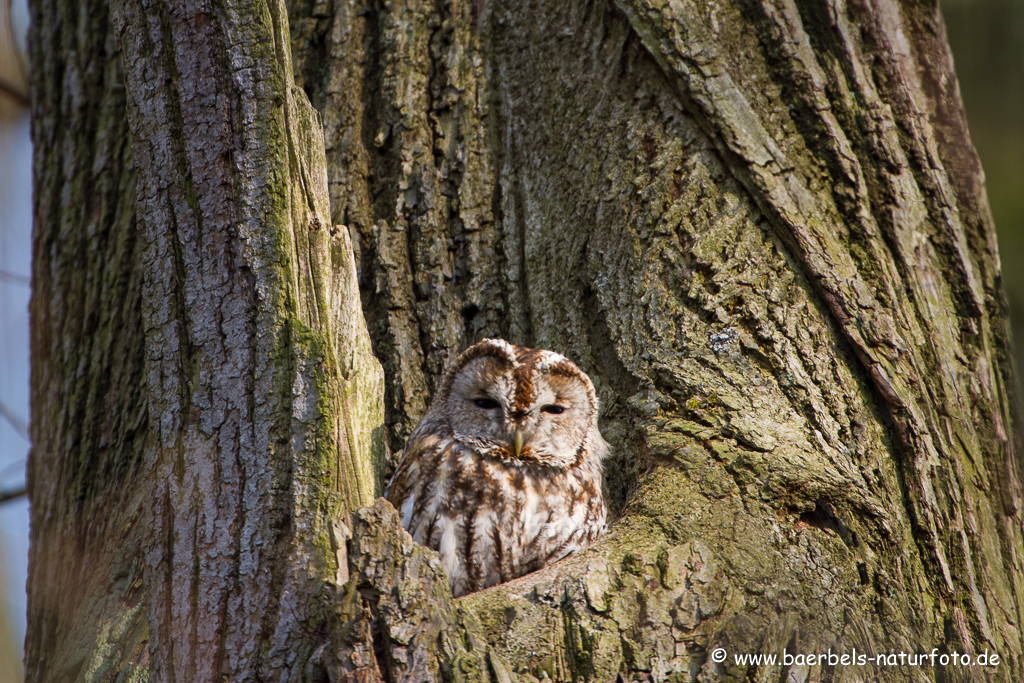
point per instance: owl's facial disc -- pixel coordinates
(519, 411)
(525, 425)
(555, 423)
(479, 399)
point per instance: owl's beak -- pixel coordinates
(519, 439)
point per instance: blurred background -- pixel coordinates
(987, 37)
(15, 253)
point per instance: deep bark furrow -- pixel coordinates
(407, 141)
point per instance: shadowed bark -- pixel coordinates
(86, 617)
(759, 226)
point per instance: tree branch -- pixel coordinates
(17, 424)
(13, 494)
(15, 278)
(14, 93)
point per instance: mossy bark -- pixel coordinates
(194, 461)
(762, 229)
(758, 225)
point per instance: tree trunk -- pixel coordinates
(89, 426)
(232, 408)
(759, 226)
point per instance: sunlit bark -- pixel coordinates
(759, 226)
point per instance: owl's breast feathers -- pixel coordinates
(492, 518)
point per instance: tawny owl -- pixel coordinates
(502, 475)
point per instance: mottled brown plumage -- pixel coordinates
(502, 476)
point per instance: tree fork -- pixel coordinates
(759, 226)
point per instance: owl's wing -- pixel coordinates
(401, 488)
(414, 487)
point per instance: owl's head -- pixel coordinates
(520, 404)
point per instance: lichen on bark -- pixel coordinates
(265, 398)
(758, 225)
(232, 407)
(761, 228)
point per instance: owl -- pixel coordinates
(502, 476)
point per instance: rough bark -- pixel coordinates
(89, 423)
(193, 462)
(263, 393)
(762, 229)
(758, 225)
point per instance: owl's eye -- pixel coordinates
(486, 403)
(553, 409)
